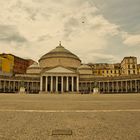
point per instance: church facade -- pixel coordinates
(61, 71)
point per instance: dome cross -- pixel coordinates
(59, 43)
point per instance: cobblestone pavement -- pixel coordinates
(90, 117)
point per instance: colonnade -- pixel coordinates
(116, 86)
(54, 84)
(13, 86)
(59, 84)
(126, 86)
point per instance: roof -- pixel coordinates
(128, 57)
(47, 69)
(34, 65)
(59, 51)
(85, 66)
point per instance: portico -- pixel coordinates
(59, 80)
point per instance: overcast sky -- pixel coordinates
(95, 30)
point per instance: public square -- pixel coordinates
(88, 116)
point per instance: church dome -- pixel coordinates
(84, 66)
(34, 65)
(85, 69)
(60, 56)
(33, 69)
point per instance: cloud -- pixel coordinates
(44, 37)
(10, 34)
(94, 57)
(78, 24)
(132, 40)
(39, 25)
(103, 26)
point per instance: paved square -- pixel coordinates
(90, 117)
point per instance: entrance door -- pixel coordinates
(59, 87)
(59, 84)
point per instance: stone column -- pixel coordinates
(108, 88)
(90, 87)
(32, 86)
(99, 87)
(131, 85)
(138, 82)
(103, 86)
(77, 83)
(67, 84)
(41, 83)
(117, 82)
(10, 83)
(14, 86)
(122, 86)
(56, 84)
(136, 86)
(3, 85)
(51, 83)
(46, 83)
(72, 83)
(0, 84)
(35, 86)
(112, 86)
(62, 86)
(126, 86)
(28, 86)
(9, 86)
(17, 86)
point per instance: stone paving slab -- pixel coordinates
(100, 117)
(62, 132)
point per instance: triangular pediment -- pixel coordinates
(59, 69)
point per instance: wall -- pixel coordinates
(66, 62)
(6, 65)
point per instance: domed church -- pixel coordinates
(59, 71)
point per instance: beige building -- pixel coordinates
(61, 71)
(129, 66)
(105, 70)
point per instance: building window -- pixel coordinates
(128, 61)
(131, 60)
(133, 71)
(128, 71)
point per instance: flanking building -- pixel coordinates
(11, 64)
(61, 71)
